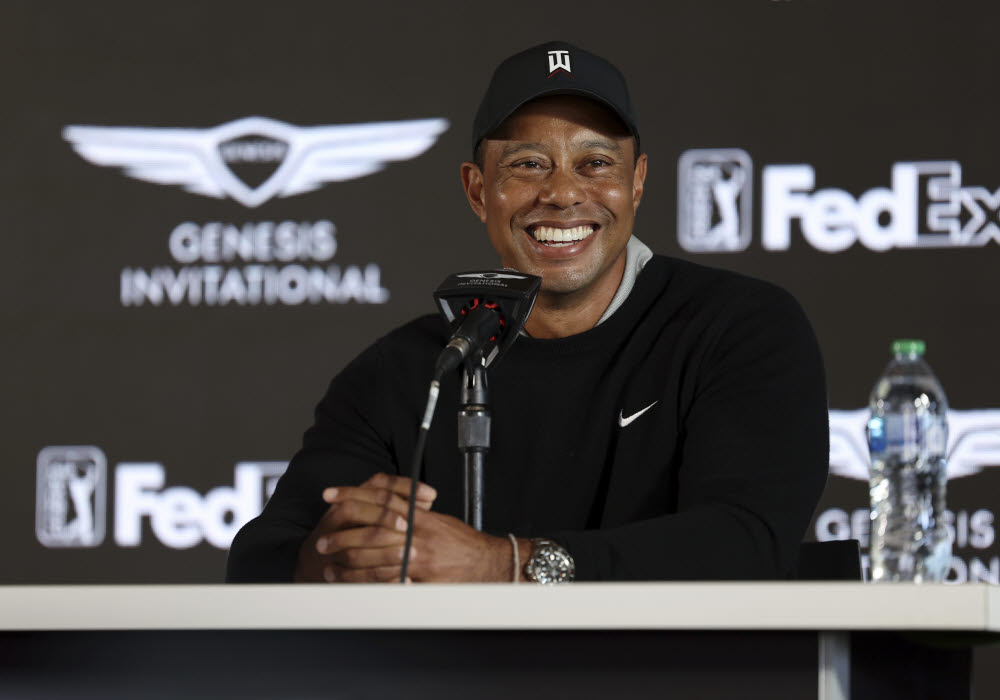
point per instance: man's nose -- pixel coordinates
(562, 188)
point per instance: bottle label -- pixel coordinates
(901, 429)
(908, 433)
(876, 434)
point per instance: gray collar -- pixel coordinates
(637, 254)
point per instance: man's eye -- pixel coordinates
(528, 164)
(598, 163)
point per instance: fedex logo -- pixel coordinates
(926, 207)
(72, 493)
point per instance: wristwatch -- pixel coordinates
(549, 563)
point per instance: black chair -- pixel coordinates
(838, 560)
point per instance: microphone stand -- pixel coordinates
(474, 437)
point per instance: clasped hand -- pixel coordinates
(361, 537)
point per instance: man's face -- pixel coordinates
(558, 192)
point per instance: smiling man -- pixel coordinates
(660, 420)
(557, 185)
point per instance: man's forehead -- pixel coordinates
(586, 119)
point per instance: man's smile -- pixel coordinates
(560, 236)
(560, 242)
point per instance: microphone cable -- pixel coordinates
(418, 456)
(482, 325)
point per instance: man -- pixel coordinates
(660, 420)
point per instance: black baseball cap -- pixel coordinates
(553, 68)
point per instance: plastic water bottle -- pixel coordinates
(907, 439)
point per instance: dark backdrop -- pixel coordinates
(171, 420)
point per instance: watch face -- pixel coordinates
(551, 564)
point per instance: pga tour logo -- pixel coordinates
(253, 159)
(926, 206)
(715, 198)
(70, 505)
(70, 496)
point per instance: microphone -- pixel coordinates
(487, 310)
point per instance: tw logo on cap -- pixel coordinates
(559, 61)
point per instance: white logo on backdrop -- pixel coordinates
(559, 60)
(70, 496)
(258, 262)
(304, 157)
(926, 206)
(714, 200)
(973, 442)
(71, 481)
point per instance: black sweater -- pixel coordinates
(717, 480)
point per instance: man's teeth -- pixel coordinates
(563, 236)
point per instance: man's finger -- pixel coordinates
(378, 574)
(375, 496)
(327, 524)
(354, 513)
(370, 536)
(370, 558)
(400, 485)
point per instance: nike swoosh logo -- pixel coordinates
(623, 421)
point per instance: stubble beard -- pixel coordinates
(569, 286)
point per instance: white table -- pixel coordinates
(829, 611)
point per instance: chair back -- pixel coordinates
(838, 560)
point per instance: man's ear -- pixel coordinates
(472, 183)
(638, 181)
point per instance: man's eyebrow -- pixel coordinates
(516, 148)
(602, 143)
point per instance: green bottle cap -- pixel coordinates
(908, 346)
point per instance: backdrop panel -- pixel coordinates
(208, 210)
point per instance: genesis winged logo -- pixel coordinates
(973, 442)
(254, 159)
